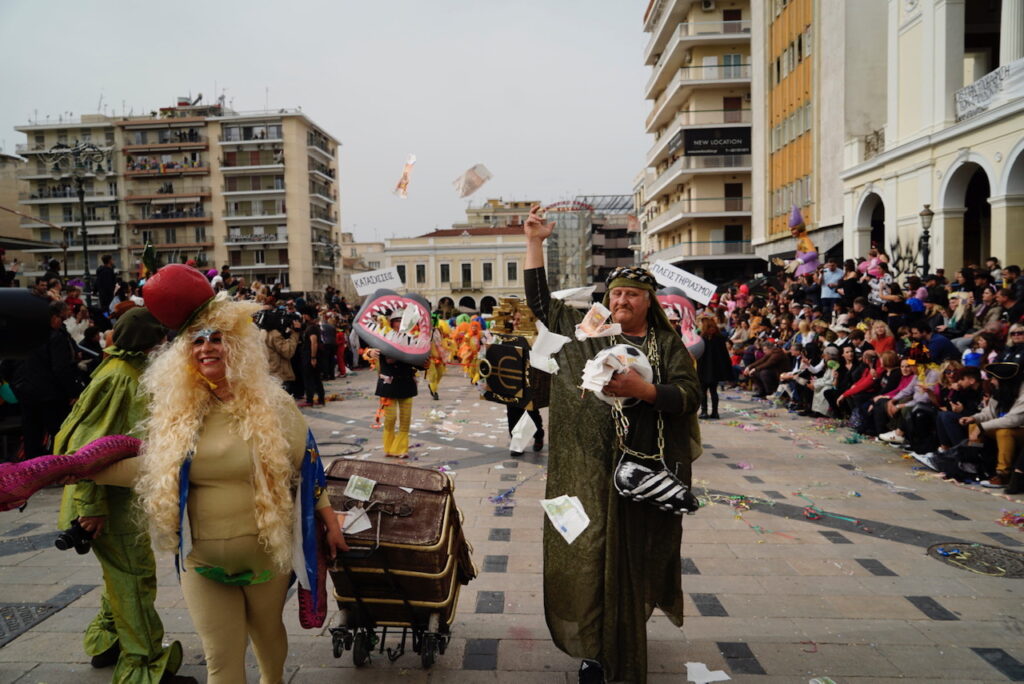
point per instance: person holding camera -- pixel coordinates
(127, 631)
(280, 333)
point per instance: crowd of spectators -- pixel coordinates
(931, 364)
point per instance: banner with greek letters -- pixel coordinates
(369, 282)
(672, 276)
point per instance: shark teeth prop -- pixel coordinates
(672, 298)
(411, 343)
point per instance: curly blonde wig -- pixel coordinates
(179, 400)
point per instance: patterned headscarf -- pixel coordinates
(639, 277)
(631, 276)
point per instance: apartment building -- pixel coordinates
(12, 236)
(592, 237)
(257, 191)
(697, 184)
(469, 266)
(817, 81)
(952, 138)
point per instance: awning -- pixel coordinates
(22, 243)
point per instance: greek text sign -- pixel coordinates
(672, 276)
(371, 281)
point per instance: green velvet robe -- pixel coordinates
(600, 590)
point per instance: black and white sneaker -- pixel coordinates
(658, 487)
(927, 460)
(591, 672)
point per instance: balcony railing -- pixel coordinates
(696, 163)
(275, 160)
(705, 248)
(167, 192)
(698, 74)
(277, 213)
(226, 189)
(319, 143)
(63, 194)
(136, 169)
(325, 216)
(687, 208)
(173, 141)
(178, 215)
(234, 140)
(249, 239)
(467, 285)
(991, 90)
(686, 31)
(699, 117)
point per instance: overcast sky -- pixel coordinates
(546, 93)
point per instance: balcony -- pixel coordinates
(72, 223)
(697, 208)
(243, 217)
(194, 195)
(274, 164)
(993, 89)
(687, 166)
(58, 196)
(670, 140)
(238, 239)
(253, 267)
(467, 286)
(319, 145)
(100, 241)
(689, 34)
(157, 169)
(172, 216)
(686, 79)
(183, 141)
(164, 246)
(237, 192)
(327, 195)
(720, 249)
(224, 140)
(324, 217)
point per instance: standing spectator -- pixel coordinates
(994, 269)
(281, 346)
(309, 355)
(105, 281)
(52, 270)
(328, 346)
(830, 278)
(47, 384)
(713, 366)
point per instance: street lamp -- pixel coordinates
(924, 242)
(77, 162)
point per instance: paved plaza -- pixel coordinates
(821, 571)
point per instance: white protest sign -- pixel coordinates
(371, 281)
(672, 276)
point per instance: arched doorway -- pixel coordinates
(487, 304)
(967, 240)
(467, 304)
(871, 225)
(446, 306)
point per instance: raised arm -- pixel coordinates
(537, 295)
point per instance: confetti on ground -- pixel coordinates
(1012, 519)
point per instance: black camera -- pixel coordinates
(75, 537)
(276, 319)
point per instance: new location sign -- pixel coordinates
(716, 141)
(672, 276)
(371, 281)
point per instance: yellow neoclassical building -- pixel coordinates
(953, 139)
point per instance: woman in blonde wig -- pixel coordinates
(217, 474)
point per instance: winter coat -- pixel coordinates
(714, 365)
(280, 350)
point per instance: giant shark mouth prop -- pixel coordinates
(411, 342)
(674, 299)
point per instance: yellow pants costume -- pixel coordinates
(396, 440)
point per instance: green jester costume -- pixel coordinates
(111, 405)
(600, 590)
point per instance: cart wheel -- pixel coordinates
(428, 650)
(361, 649)
(339, 646)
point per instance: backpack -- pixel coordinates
(921, 433)
(964, 463)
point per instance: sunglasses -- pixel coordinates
(1017, 332)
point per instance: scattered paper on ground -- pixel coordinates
(700, 674)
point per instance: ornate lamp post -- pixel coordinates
(84, 159)
(924, 242)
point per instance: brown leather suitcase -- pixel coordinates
(413, 560)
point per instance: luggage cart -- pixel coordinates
(403, 575)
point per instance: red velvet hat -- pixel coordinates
(176, 293)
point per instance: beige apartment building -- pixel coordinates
(12, 237)
(953, 138)
(468, 266)
(697, 183)
(256, 191)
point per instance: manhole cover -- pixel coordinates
(982, 559)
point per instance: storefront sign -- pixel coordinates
(716, 141)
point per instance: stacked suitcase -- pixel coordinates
(403, 573)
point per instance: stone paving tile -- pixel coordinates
(948, 662)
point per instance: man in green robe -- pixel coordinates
(600, 590)
(127, 631)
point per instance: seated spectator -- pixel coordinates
(881, 337)
(983, 350)
(886, 407)
(824, 381)
(765, 371)
(964, 401)
(867, 376)
(939, 347)
(858, 340)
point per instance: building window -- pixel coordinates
(488, 271)
(169, 236)
(446, 273)
(147, 237)
(513, 271)
(200, 233)
(401, 272)
(374, 265)
(259, 257)
(467, 274)
(421, 273)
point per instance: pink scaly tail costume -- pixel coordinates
(19, 481)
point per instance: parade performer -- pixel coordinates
(396, 383)
(225, 450)
(438, 357)
(127, 630)
(600, 590)
(806, 260)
